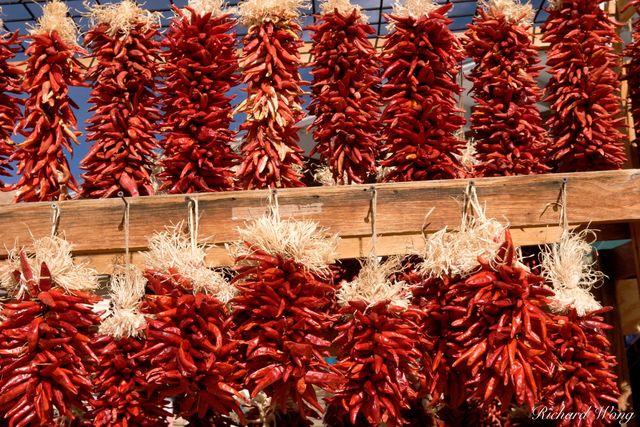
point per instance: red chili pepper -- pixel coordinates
(124, 126)
(10, 76)
(270, 62)
(191, 355)
(584, 89)
(505, 120)
(345, 95)
(585, 377)
(421, 59)
(200, 67)
(45, 363)
(378, 355)
(48, 121)
(281, 320)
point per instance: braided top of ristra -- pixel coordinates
(55, 18)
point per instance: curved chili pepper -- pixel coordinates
(45, 362)
(270, 61)
(584, 89)
(10, 76)
(421, 59)
(200, 67)
(124, 126)
(506, 122)
(345, 95)
(281, 319)
(48, 122)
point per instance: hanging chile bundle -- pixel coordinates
(10, 77)
(585, 381)
(45, 357)
(345, 92)
(188, 344)
(120, 385)
(48, 121)
(281, 314)
(421, 58)
(378, 350)
(632, 51)
(486, 319)
(505, 119)
(200, 68)
(122, 130)
(584, 89)
(270, 62)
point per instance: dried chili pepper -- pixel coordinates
(125, 122)
(188, 343)
(45, 355)
(378, 355)
(421, 58)
(505, 350)
(584, 382)
(584, 89)
(200, 67)
(120, 389)
(10, 76)
(632, 51)
(345, 92)
(506, 123)
(48, 122)
(270, 61)
(281, 314)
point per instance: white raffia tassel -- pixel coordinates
(122, 17)
(172, 249)
(568, 267)
(127, 288)
(204, 7)
(344, 8)
(301, 241)
(55, 252)
(415, 9)
(457, 253)
(513, 10)
(374, 284)
(254, 12)
(55, 17)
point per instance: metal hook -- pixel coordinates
(124, 224)
(372, 216)
(192, 206)
(560, 203)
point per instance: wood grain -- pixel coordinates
(94, 226)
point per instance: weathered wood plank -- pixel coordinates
(93, 225)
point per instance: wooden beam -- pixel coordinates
(94, 226)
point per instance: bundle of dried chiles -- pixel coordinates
(120, 384)
(378, 346)
(421, 58)
(123, 128)
(505, 119)
(632, 51)
(584, 89)
(10, 77)
(281, 314)
(188, 342)
(585, 380)
(270, 62)
(345, 92)
(48, 122)
(45, 357)
(200, 67)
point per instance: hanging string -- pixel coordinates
(374, 225)
(55, 219)
(124, 225)
(470, 195)
(564, 220)
(274, 204)
(194, 222)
